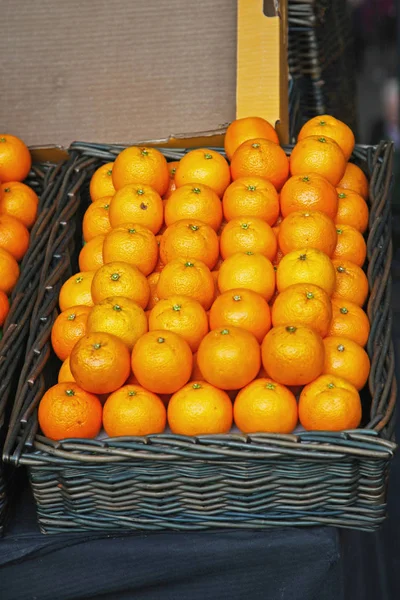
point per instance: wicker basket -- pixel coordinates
(320, 56)
(43, 178)
(175, 482)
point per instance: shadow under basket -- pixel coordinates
(226, 481)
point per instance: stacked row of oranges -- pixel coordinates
(204, 282)
(18, 210)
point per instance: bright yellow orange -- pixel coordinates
(162, 361)
(139, 204)
(64, 374)
(351, 282)
(241, 308)
(120, 279)
(248, 234)
(132, 410)
(14, 236)
(303, 304)
(251, 196)
(68, 328)
(172, 166)
(76, 291)
(101, 184)
(247, 128)
(91, 255)
(329, 404)
(194, 201)
(133, 244)
(190, 238)
(355, 180)
(229, 358)
(313, 229)
(318, 154)
(100, 363)
(262, 158)
(96, 220)
(306, 265)
(265, 406)
(140, 165)
(306, 192)
(349, 321)
(153, 281)
(204, 166)
(15, 158)
(347, 359)
(352, 210)
(250, 271)
(183, 316)
(182, 277)
(20, 201)
(200, 408)
(350, 245)
(293, 354)
(67, 411)
(328, 126)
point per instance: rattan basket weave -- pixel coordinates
(175, 482)
(43, 179)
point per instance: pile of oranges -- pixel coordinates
(214, 292)
(18, 210)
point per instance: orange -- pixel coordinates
(306, 265)
(265, 406)
(245, 129)
(293, 355)
(251, 196)
(309, 191)
(132, 410)
(9, 270)
(241, 308)
(303, 304)
(68, 328)
(15, 158)
(4, 307)
(196, 375)
(120, 279)
(141, 165)
(329, 404)
(162, 361)
(183, 316)
(137, 203)
(312, 229)
(91, 255)
(328, 126)
(204, 166)
(247, 270)
(101, 183)
(349, 321)
(318, 154)
(355, 180)
(100, 363)
(67, 411)
(20, 201)
(14, 236)
(194, 201)
(190, 238)
(172, 166)
(133, 244)
(96, 220)
(346, 359)
(351, 282)
(248, 234)
(350, 244)
(187, 277)
(200, 408)
(119, 316)
(352, 210)
(76, 291)
(153, 281)
(262, 158)
(64, 373)
(229, 358)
